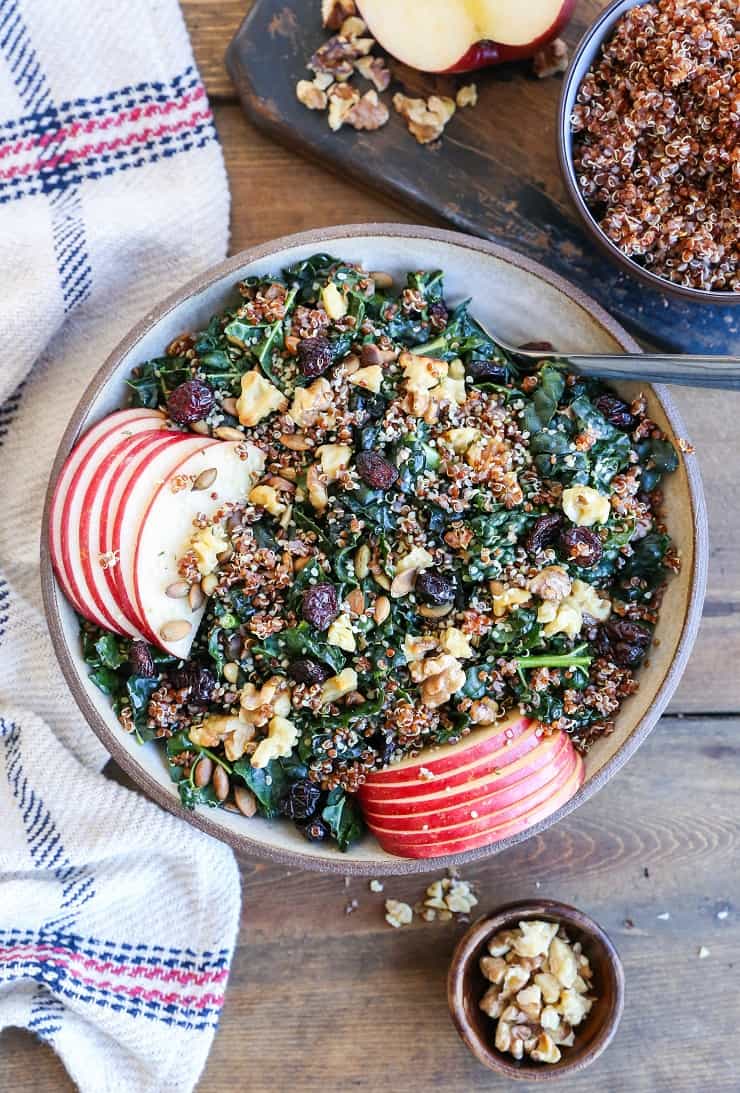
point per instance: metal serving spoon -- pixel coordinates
(707, 371)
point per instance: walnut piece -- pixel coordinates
(536, 994)
(334, 12)
(397, 913)
(551, 59)
(551, 583)
(375, 70)
(440, 678)
(426, 119)
(342, 98)
(368, 113)
(467, 96)
(310, 95)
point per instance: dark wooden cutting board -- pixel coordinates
(494, 173)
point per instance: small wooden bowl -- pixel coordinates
(466, 986)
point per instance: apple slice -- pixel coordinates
(93, 559)
(466, 819)
(69, 491)
(503, 787)
(496, 832)
(493, 767)
(450, 757)
(462, 35)
(128, 498)
(155, 524)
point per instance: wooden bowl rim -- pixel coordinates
(243, 843)
(499, 919)
(599, 29)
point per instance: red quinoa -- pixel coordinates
(657, 149)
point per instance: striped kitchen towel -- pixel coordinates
(117, 922)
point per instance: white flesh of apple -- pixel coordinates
(433, 35)
(127, 500)
(117, 426)
(167, 529)
(134, 448)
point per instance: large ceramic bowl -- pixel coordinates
(522, 301)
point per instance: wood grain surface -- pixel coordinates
(320, 1001)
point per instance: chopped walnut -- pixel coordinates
(375, 70)
(334, 12)
(367, 113)
(342, 98)
(551, 59)
(467, 95)
(397, 913)
(426, 119)
(310, 95)
(537, 995)
(440, 678)
(551, 583)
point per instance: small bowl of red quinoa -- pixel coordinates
(647, 139)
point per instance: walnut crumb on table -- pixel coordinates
(551, 59)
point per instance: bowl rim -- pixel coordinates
(601, 28)
(343, 865)
(498, 919)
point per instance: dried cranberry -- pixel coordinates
(301, 800)
(314, 830)
(434, 588)
(196, 679)
(320, 605)
(305, 670)
(384, 745)
(623, 641)
(481, 371)
(438, 315)
(140, 659)
(581, 546)
(376, 470)
(314, 356)
(190, 401)
(616, 412)
(544, 533)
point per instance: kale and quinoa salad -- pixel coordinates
(437, 538)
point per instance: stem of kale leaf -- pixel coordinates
(575, 659)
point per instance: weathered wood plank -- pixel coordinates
(326, 1002)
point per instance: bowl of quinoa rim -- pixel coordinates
(647, 142)
(524, 302)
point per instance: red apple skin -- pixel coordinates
(495, 833)
(440, 828)
(137, 455)
(483, 54)
(490, 764)
(477, 745)
(552, 750)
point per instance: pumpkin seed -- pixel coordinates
(229, 405)
(225, 432)
(221, 784)
(196, 597)
(175, 629)
(203, 772)
(362, 561)
(382, 279)
(295, 441)
(356, 601)
(435, 611)
(201, 428)
(205, 479)
(382, 609)
(209, 584)
(178, 590)
(246, 801)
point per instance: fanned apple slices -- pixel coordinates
(496, 782)
(122, 518)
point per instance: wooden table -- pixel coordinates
(322, 1001)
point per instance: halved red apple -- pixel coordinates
(450, 757)
(70, 489)
(422, 848)
(494, 767)
(462, 35)
(480, 796)
(94, 517)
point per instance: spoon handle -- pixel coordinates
(723, 372)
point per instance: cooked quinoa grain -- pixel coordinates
(656, 147)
